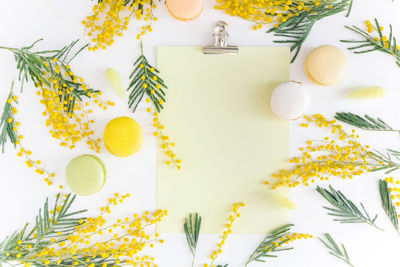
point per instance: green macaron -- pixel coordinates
(86, 175)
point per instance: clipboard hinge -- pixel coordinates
(221, 41)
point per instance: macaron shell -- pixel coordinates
(123, 137)
(289, 100)
(85, 175)
(104, 168)
(185, 9)
(326, 65)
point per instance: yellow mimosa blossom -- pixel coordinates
(111, 17)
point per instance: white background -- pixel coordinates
(22, 192)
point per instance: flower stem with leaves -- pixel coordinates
(371, 42)
(292, 20)
(63, 93)
(60, 238)
(192, 227)
(9, 133)
(146, 83)
(345, 210)
(273, 242)
(339, 252)
(387, 200)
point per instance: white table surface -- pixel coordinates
(22, 192)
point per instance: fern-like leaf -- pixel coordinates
(345, 211)
(339, 252)
(145, 81)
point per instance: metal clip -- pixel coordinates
(221, 41)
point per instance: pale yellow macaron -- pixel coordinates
(185, 9)
(326, 65)
(123, 137)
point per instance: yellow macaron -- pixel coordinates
(185, 9)
(123, 137)
(326, 65)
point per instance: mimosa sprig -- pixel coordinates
(62, 93)
(227, 232)
(7, 122)
(297, 28)
(9, 133)
(335, 250)
(292, 20)
(192, 227)
(374, 40)
(111, 18)
(60, 238)
(273, 242)
(339, 155)
(146, 82)
(345, 210)
(387, 200)
(365, 122)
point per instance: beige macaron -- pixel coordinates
(326, 65)
(185, 9)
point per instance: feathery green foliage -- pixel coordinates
(6, 127)
(271, 243)
(365, 123)
(371, 43)
(22, 245)
(345, 210)
(297, 28)
(192, 227)
(145, 81)
(44, 68)
(335, 250)
(387, 203)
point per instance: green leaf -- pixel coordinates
(345, 210)
(387, 203)
(335, 250)
(192, 227)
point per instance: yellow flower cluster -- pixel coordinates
(341, 156)
(371, 28)
(111, 18)
(232, 217)
(22, 151)
(394, 189)
(62, 95)
(166, 144)
(286, 240)
(121, 241)
(263, 12)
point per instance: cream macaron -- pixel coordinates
(326, 65)
(185, 9)
(289, 100)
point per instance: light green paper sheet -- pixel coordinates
(218, 113)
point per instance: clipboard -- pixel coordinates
(217, 111)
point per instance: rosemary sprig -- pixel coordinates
(192, 227)
(371, 43)
(145, 81)
(387, 203)
(271, 243)
(335, 250)
(7, 121)
(365, 123)
(297, 28)
(345, 210)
